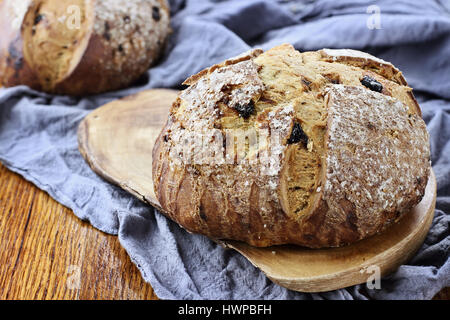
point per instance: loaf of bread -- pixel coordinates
(80, 47)
(319, 149)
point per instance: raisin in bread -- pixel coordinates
(80, 47)
(319, 149)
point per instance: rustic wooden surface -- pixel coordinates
(40, 239)
(45, 249)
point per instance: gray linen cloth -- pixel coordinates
(38, 137)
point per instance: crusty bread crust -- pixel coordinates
(347, 173)
(115, 44)
(368, 62)
(242, 57)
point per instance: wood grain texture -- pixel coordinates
(132, 123)
(117, 141)
(44, 247)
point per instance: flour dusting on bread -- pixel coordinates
(377, 153)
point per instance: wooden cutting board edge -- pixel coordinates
(94, 164)
(358, 274)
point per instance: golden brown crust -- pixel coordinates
(364, 61)
(242, 57)
(283, 190)
(116, 43)
(370, 63)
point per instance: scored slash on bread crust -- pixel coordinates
(367, 61)
(349, 176)
(364, 60)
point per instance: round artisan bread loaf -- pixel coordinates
(319, 149)
(80, 47)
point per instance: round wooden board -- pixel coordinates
(117, 141)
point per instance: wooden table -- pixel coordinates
(46, 252)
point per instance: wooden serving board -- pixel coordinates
(117, 141)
